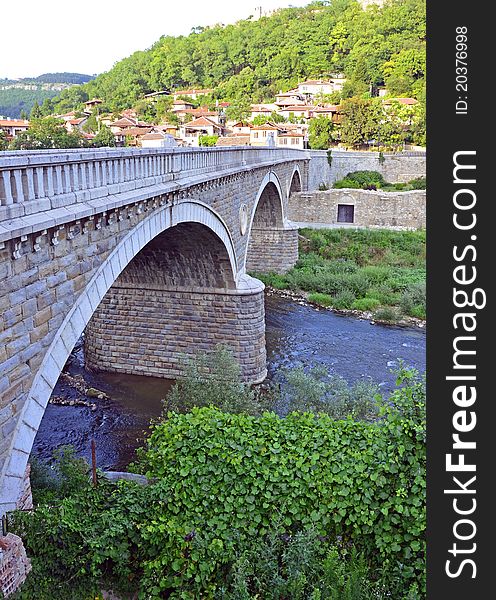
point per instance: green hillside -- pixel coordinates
(253, 59)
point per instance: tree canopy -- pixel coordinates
(255, 59)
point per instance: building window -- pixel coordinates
(346, 213)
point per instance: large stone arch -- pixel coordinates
(80, 314)
(272, 244)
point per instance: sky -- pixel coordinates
(89, 36)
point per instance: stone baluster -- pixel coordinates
(19, 192)
(49, 180)
(39, 183)
(7, 197)
(28, 174)
(75, 176)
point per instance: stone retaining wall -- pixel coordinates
(396, 167)
(390, 210)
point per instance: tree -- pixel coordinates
(104, 138)
(24, 115)
(208, 140)
(3, 140)
(35, 112)
(360, 120)
(45, 133)
(320, 133)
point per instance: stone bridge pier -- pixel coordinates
(176, 297)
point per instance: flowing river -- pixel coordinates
(295, 333)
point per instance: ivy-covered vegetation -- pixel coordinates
(252, 60)
(367, 270)
(244, 507)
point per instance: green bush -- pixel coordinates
(386, 313)
(413, 299)
(418, 184)
(315, 390)
(343, 299)
(306, 505)
(365, 304)
(214, 379)
(362, 179)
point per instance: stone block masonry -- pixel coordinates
(150, 332)
(389, 210)
(272, 250)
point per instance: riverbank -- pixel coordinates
(302, 298)
(375, 274)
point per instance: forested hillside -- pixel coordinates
(253, 59)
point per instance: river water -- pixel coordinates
(295, 333)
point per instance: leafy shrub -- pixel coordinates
(365, 304)
(315, 390)
(386, 313)
(346, 183)
(362, 179)
(214, 379)
(418, 184)
(240, 503)
(343, 299)
(413, 298)
(323, 187)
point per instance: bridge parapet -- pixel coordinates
(41, 181)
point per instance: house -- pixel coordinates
(314, 87)
(234, 139)
(291, 140)
(296, 112)
(262, 109)
(126, 123)
(157, 139)
(291, 98)
(192, 93)
(180, 105)
(191, 132)
(264, 135)
(331, 111)
(75, 124)
(12, 127)
(91, 105)
(131, 136)
(241, 128)
(404, 101)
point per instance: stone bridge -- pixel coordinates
(147, 252)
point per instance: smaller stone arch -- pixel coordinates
(272, 244)
(295, 184)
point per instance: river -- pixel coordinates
(295, 333)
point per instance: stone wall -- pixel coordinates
(14, 564)
(272, 250)
(390, 210)
(395, 168)
(148, 332)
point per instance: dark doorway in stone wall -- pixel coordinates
(346, 213)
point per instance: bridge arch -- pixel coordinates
(295, 184)
(272, 245)
(187, 212)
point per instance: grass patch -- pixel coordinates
(360, 269)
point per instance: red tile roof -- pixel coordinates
(13, 123)
(202, 122)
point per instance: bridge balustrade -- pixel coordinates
(70, 176)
